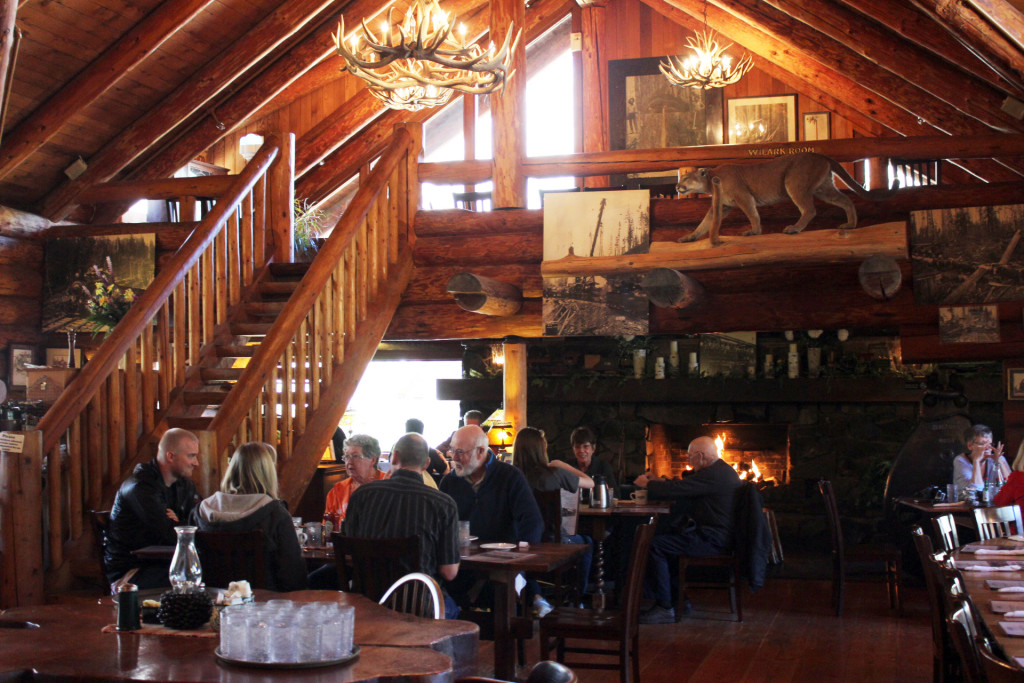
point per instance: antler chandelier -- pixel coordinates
(418, 63)
(708, 67)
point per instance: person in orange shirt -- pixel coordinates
(361, 453)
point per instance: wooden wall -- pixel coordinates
(21, 286)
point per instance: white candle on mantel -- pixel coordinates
(693, 363)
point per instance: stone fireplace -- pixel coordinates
(759, 451)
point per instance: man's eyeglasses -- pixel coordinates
(459, 453)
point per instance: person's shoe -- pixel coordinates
(658, 615)
(541, 607)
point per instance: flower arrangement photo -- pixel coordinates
(106, 301)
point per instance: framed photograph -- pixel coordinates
(21, 355)
(817, 125)
(1015, 384)
(968, 324)
(58, 358)
(762, 119)
(647, 112)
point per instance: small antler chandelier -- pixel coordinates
(418, 63)
(707, 68)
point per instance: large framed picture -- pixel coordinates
(645, 111)
(762, 119)
(21, 355)
(1015, 384)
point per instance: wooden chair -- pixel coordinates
(100, 527)
(542, 672)
(963, 634)
(472, 201)
(998, 522)
(226, 556)
(777, 557)
(550, 504)
(417, 594)
(371, 565)
(621, 626)
(945, 529)
(841, 554)
(931, 565)
(996, 669)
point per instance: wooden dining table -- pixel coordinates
(67, 641)
(983, 594)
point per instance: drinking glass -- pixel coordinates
(952, 493)
(463, 533)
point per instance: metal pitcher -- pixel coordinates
(599, 495)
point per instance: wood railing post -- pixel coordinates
(280, 201)
(207, 479)
(21, 523)
(515, 385)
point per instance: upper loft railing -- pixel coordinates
(111, 408)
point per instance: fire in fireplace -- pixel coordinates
(759, 452)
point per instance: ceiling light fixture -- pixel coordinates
(418, 63)
(707, 67)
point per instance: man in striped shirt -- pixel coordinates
(404, 506)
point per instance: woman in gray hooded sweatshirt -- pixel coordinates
(247, 500)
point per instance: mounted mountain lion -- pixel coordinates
(801, 177)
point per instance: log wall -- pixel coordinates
(21, 287)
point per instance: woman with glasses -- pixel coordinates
(361, 453)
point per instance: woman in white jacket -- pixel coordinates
(248, 500)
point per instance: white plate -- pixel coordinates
(498, 546)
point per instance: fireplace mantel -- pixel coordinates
(602, 389)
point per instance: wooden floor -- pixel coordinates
(789, 633)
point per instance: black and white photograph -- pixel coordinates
(595, 224)
(1015, 384)
(968, 324)
(817, 125)
(762, 119)
(21, 355)
(968, 255)
(76, 266)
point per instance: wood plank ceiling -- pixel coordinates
(139, 88)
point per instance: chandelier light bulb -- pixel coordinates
(708, 67)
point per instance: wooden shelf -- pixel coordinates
(601, 389)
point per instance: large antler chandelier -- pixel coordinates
(418, 63)
(708, 67)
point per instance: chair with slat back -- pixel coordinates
(416, 594)
(942, 652)
(371, 565)
(777, 556)
(841, 554)
(945, 529)
(100, 526)
(566, 579)
(963, 634)
(996, 669)
(232, 556)
(472, 201)
(621, 626)
(996, 522)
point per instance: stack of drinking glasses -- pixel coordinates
(286, 632)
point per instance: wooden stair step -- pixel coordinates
(265, 308)
(220, 374)
(234, 350)
(278, 289)
(250, 329)
(204, 397)
(288, 270)
(193, 424)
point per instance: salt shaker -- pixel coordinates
(128, 615)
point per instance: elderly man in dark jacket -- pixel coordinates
(703, 522)
(158, 496)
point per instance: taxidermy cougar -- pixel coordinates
(801, 177)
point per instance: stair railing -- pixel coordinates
(117, 399)
(293, 367)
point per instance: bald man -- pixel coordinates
(702, 521)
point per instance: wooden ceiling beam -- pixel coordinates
(198, 91)
(882, 47)
(971, 30)
(1004, 16)
(902, 94)
(95, 79)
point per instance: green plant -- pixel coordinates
(308, 224)
(106, 301)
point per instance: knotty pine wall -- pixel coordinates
(21, 287)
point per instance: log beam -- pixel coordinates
(122, 56)
(778, 249)
(484, 295)
(668, 288)
(508, 130)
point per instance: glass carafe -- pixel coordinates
(186, 573)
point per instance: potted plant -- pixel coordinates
(308, 223)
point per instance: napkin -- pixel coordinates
(1016, 537)
(991, 568)
(1017, 614)
(994, 551)
(1012, 589)
(947, 505)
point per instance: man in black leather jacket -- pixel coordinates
(158, 496)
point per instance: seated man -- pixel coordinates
(438, 466)
(472, 417)
(403, 506)
(158, 496)
(702, 521)
(361, 453)
(584, 444)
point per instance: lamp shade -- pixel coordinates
(249, 144)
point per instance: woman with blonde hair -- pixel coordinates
(1012, 492)
(247, 500)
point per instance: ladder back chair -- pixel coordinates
(945, 529)
(100, 526)
(942, 647)
(472, 201)
(231, 556)
(997, 669)
(371, 565)
(964, 636)
(998, 522)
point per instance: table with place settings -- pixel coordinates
(993, 572)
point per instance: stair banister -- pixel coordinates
(81, 390)
(238, 402)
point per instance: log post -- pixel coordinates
(668, 288)
(515, 385)
(21, 523)
(878, 176)
(281, 200)
(880, 277)
(595, 109)
(207, 480)
(479, 294)
(506, 109)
